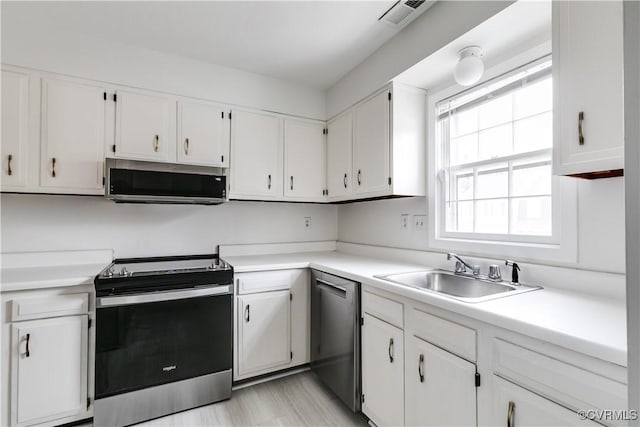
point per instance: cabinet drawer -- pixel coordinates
(51, 306)
(560, 381)
(382, 308)
(450, 336)
(261, 281)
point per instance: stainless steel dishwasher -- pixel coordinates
(335, 335)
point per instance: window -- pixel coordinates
(494, 146)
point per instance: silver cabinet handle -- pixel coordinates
(269, 182)
(344, 180)
(510, 414)
(391, 350)
(359, 176)
(291, 183)
(156, 143)
(9, 171)
(27, 353)
(247, 313)
(421, 368)
(580, 131)
(186, 146)
(53, 167)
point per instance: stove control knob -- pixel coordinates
(124, 272)
(109, 272)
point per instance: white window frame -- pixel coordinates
(561, 247)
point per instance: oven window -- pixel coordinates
(143, 345)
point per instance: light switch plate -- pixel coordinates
(419, 222)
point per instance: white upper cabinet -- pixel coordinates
(145, 127)
(203, 134)
(256, 156)
(377, 148)
(339, 156)
(49, 369)
(14, 129)
(72, 136)
(371, 144)
(588, 75)
(304, 160)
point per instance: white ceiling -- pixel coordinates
(521, 26)
(310, 42)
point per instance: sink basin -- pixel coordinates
(460, 287)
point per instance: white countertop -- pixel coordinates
(25, 278)
(584, 323)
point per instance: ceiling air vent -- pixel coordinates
(403, 11)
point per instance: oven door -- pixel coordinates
(151, 339)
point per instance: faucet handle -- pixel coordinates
(460, 267)
(494, 272)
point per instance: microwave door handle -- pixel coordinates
(114, 301)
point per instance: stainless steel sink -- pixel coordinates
(461, 287)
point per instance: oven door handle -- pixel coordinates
(113, 301)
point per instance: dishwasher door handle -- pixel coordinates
(332, 285)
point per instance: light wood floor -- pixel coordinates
(297, 400)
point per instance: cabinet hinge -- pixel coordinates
(115, 97)
(291, 355)
(389, 96)
(104, 181)
(362, 398)
(389, 180)
(88, 402)
(105, 96)
(477, 379)
(325, 131)
(90, 322)
(361, 321)
(113, 148)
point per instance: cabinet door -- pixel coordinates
(203, 134)
(264, 331)
(515, 406)
(371, 145)
(14, 128)
(143, 128)
(339, 156)
(72, 135)
(588, 64)
(382, 372)
(304, 160)
(440, 387)
(256, 155)
(49, 369)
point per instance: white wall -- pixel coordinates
(444, 22)
(52, 49)
(46, 223)
(601, 225)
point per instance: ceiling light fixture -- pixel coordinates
(470, 66)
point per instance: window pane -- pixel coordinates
(531, 216)
(493, 183)
(531, 181)
(533, 99)
(464, 123)
(459, 217)
(464, 149)
(496, 111)
(492, 216)
(534, 133)
(495, 142)
(464, 187)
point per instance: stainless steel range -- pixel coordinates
(163, 337)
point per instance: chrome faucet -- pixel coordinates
(462, 265)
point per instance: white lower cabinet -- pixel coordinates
(264, 330)
(48, 369)
(439, 386)
(515, 406)
(382, 372)
(272, 322)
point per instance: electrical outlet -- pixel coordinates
(419, 222)
(404, 221)
(307, 222)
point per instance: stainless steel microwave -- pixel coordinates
(134, 181)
